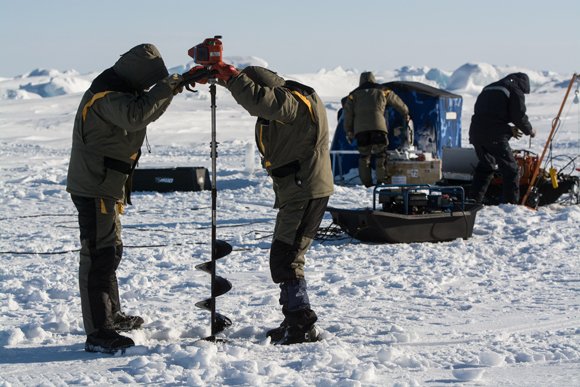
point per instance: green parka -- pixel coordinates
(365, 106)
(111, 122)
(291, 134)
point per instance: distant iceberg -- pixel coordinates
(467, 79)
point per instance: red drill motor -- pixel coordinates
(207, 53)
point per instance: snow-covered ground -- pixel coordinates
(502, 307)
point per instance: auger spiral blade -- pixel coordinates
(206, 267)
(205, 304)
(222, 248)
(221, 286)
(221, 322)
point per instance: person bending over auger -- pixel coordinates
(292, 136)
(109, 129)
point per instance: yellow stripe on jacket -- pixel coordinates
(92, 101)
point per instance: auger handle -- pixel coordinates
(189, 78)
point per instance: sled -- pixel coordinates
(410, 214)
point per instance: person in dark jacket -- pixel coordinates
(292, 137)
(498, 105)
(109, 129)
(364, 119)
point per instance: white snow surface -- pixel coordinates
(500, 308)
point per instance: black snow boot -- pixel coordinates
(277, 333)
(294, 334)
(124, 322)
(297, 327)
(107, 341)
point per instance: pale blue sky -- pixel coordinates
(294, 36)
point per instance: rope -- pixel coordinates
(137, 228)
(34, 216)
(571, 162)
(124, 247)
(77, 250)
(332, 232)
(578, 120)
(46, 215)
(265, 236)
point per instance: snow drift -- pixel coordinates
(467, 79)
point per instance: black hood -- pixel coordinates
(108, 80)
(366, 77)
(141, 67)
(519, 81)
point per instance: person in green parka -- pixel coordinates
(364, 119)
(292, 137)
(109, 129)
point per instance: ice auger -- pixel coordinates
(206, 54)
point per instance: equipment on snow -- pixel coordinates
(186, 179)
(410, 213)
(536, 172)
(459, 167)
(436, 125)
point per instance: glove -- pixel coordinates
(224, 71)
(195, 70)
(349, 137)
(516, 133)
(533, 133)
(174, 82)
(177, 90)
